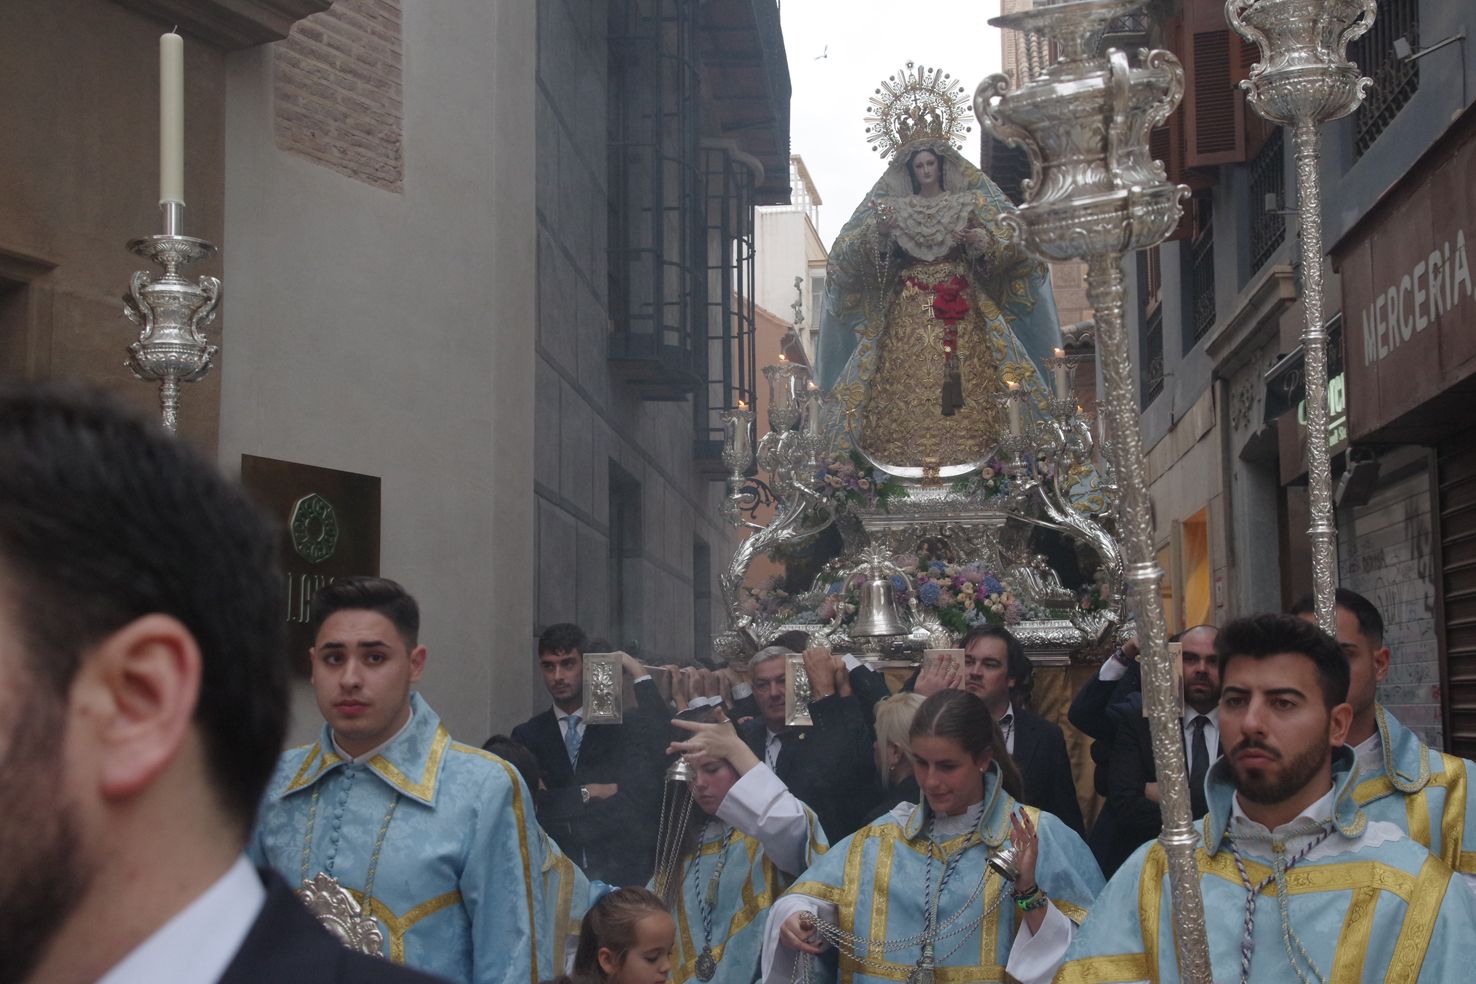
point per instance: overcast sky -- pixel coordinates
(862, 42)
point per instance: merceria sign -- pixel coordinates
(1432, 290)
(1409, 299)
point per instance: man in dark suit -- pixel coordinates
(997, 671)
(1132, 793)
(602, 782)
(867, 685)
(1111, 695)
(144, 706)
(827, 765)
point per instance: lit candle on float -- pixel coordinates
(1059, 369)
(1013, 404)
(813, 410)
(171, 118)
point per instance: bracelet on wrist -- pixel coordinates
(1031, 900)
(1040, 901)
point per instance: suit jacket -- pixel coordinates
(1040, 753)
(827, 766)
(905, 791)
(870, 688)
(612, 839)
(286, 945)
(1132, 767)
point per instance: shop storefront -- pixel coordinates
(1407, 519)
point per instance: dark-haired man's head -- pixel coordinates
(146, 686)
(365, 659)
(561, 661)
(517, 755)
(996, 669)
(1283, 709)
(1360, 632)
(1201, 667)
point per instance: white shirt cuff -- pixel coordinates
(742, 690)
(776, 963)
(760, 805)
(643, 676)
(852, 663)
(1112, 669)
(1035, 957)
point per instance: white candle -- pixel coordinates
(1062, 389)
(814, 414)
(171, 118)
(1014, 408)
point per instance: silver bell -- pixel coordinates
(1005, 861)
(877, 614)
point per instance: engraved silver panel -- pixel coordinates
(604, 693)
(797, 693)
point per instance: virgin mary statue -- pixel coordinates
(933, 311)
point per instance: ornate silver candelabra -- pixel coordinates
(171, 348)
(1304, 79)
(1096, 192)
(789, 456)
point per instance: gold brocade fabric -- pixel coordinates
(902, 421)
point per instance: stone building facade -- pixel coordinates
(416, 222)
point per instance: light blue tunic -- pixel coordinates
(748, 885)
(1368, 905)
(462, 873)
(1426, 793)
(876, 880)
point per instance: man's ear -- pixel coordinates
(417, 662)
(136, 692)
(1381, 663)
(1341, 719)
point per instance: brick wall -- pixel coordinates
(338, 99)
(1385, 553)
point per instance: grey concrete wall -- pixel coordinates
(585, 417)
(391, 334)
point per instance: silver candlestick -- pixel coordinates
(1304, 79)
(1096, 192)
(171, 348)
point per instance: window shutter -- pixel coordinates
(1213, 104)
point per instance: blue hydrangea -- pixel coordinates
(937, 566)
(992, 586)
(899, 583)
(928, 593)
(835, 587)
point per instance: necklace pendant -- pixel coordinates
(706, 965)
(337, 911)
(921, 974)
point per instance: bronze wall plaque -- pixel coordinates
(329, 522)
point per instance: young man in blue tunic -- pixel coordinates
(1424, 792)
(1299, 884)
(435, 840)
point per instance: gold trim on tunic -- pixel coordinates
(1419, 922)
(399, 926)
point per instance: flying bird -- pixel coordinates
(823, 54)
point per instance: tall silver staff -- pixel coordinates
(1303, 80)
(1096, 192)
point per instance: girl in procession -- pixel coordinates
(916, 895)
(723, 863)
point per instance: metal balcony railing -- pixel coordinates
(1394, 81)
